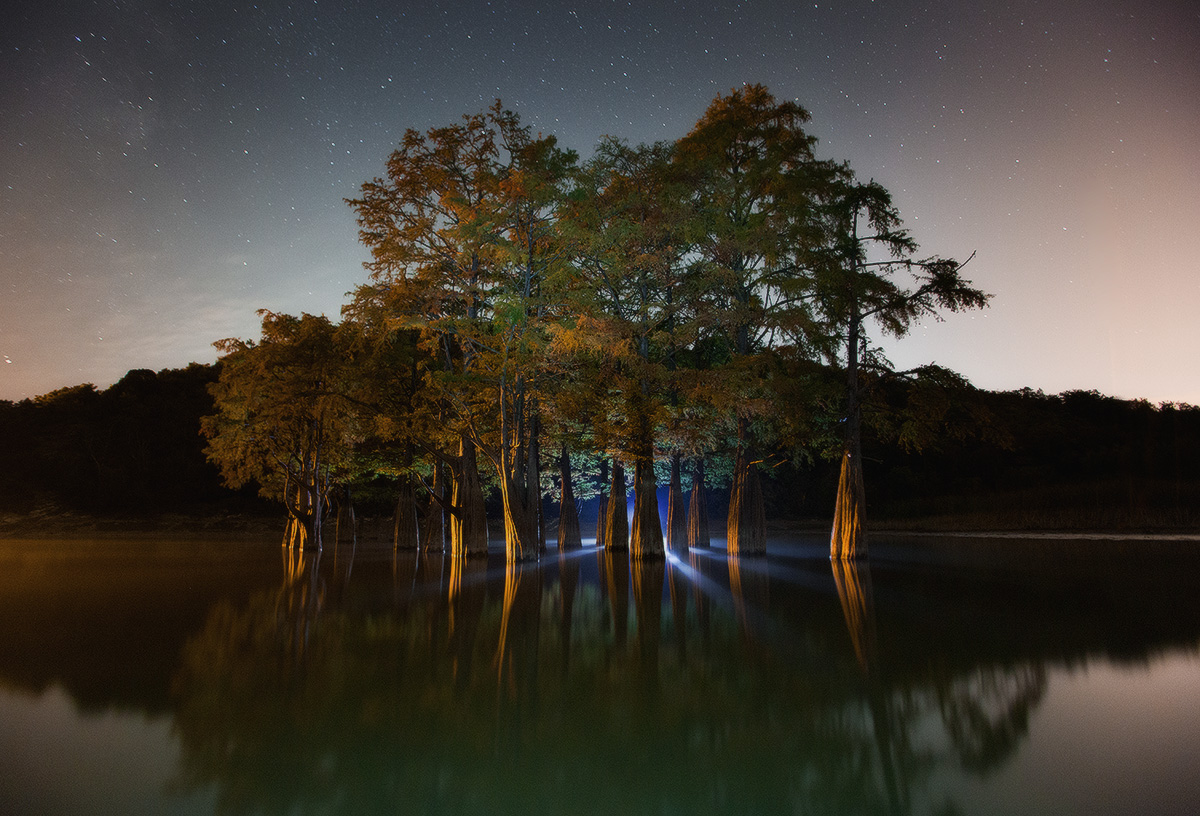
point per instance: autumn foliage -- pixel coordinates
(530, 316)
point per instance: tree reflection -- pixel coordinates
(984, 715)
(516, 659)
(518, 688)
(987, 713)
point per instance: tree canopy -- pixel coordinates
(651, 303)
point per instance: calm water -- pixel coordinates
(219, 677)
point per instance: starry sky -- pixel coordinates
(169, 167)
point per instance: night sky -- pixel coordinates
(167, 168)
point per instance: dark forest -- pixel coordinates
(1017, 460)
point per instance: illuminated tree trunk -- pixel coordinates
(746, 526)
(304, 514)
(520, 477)
(677, 526)
(697, 528)
(646, 540)
(616, 527)
(568, 515)
(468, 520)
(849, 540)
(520, 521)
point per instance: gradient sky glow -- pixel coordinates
(167, 168)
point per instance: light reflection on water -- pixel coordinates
(196, 679)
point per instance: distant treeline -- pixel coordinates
(1074, 460)
(1018, 459)
(132, 448)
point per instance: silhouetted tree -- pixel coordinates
(866, 273)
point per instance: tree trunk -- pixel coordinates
(468, 520)
(404, 536)
(304, 521)
(677, 526)
(432, 529)
(312, 531)
(697, 528)
(602, 506)
(646, 539)
(746, 526)
(534, 480)
(616, 528)
(520, 521)
(849, 538)
(568, 515)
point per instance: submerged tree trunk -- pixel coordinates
(677, 525)
(646, 539)
(520, 494)
(468, 520)
(616, 527)
(304, 519)
(697, 527)
(568, 514)
(746, 526)
(520, 521)
(602, 507)
(849, 539)
(404, 536)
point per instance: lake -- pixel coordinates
(950, 676)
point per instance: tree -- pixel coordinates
(402, 423)
(866, 273)
(461, 231)
(428, 263)
(283, 418)
(754, 182)
(625, 222)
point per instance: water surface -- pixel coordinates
(210, 676)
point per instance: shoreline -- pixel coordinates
(45, 524)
